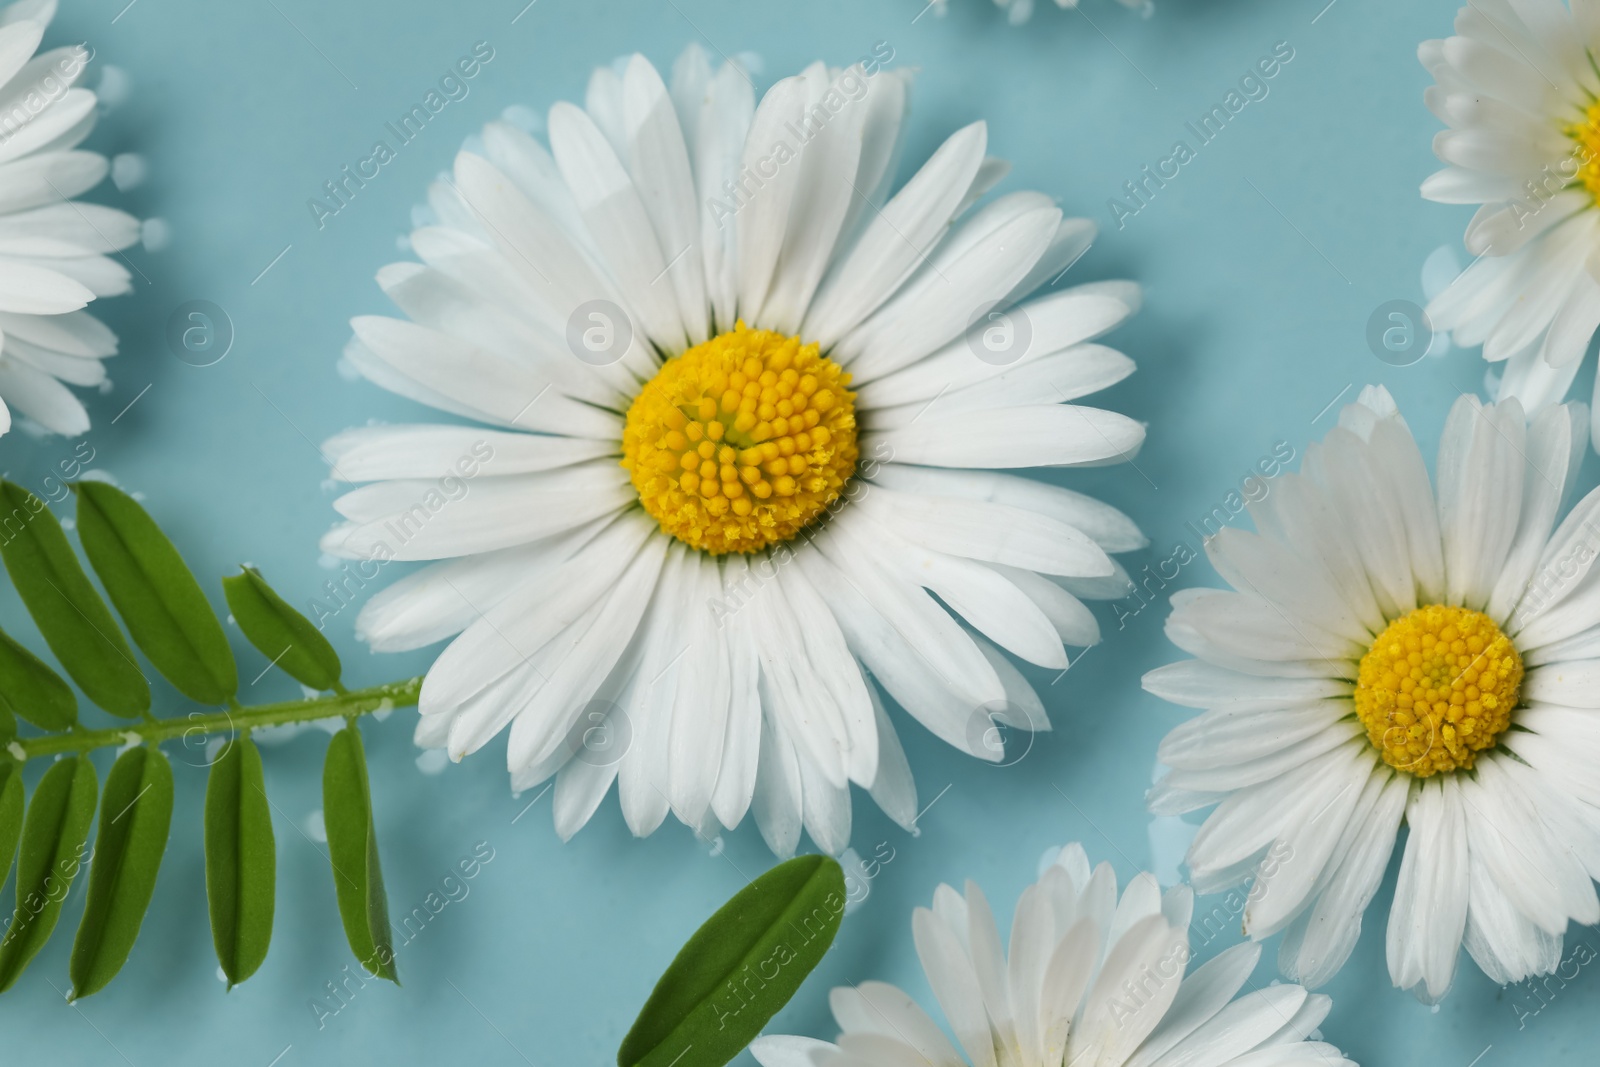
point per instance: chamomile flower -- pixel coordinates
(737, 419)
(1389, 656)
(1517, 88)
(1087, 980)
(53, 250)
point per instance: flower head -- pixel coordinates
(1516, 88)
(739, 416)
(53, 250)
(1087, 980)
(1393, 654)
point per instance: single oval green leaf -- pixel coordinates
(279, 632)
(353, 849)
(75, 622)
(32, 691)
(739, 968)
(10, 815)
(54, 837)
(241, 860)
(155, 593)
(135, 814)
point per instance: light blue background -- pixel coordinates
(1257, 304)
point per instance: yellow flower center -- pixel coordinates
(741, 441)
(1587, 154)
(1436, 688)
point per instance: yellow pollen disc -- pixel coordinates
(1587, 154)
(1436, 688)
(741, 441)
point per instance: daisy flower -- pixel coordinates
(1020, 11)
(1088, 981)
(1388, 657)
(53, 260)
(743, 417)
(1517, 88)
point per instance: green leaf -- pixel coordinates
(31, 690)
(10, 814)
(156, 595)
(53, 838)
(706, 1008)
(135, 813)
(241, 860)
(75, 622)
(353, 848)
(279, 632)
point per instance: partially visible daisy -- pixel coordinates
(1517, 88)
(1391, 658)
(747, 417)
(1020, 11)
(1087, 981)
(53, 259)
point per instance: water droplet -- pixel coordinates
(128, 171)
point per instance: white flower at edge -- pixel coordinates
(1020, 11)
(1391, 658)
(1087, 981)
(1517, 88)
(710, 684)
(53, 260)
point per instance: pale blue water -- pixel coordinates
(1263, 260)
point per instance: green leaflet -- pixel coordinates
(241, 860)
(10, 814)
(74, 620)
(135, 814)
(29, 688)
(353, 848)
(53, 839)
(704, 1010)
(280, 632)
(156, 595)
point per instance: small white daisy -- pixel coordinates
(1020, 11)
(1517, 88)
(749, 412)
(1391, 659)
(53, 260)
(1088, 981)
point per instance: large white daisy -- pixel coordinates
(1387, 658)
(746, 416)
(53, 250)
(1517, 88)
(1088, 981)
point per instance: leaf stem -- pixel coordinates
(348, 703)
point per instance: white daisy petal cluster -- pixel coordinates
(1088, 980)
(53, 251)
(1517, 88)
(739, 417)
(1020, 11)
(1390, 654)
